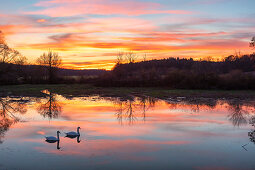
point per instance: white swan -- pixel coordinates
(52, 139)
(73, 134)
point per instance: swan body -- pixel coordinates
(52, 139)
(73, 134)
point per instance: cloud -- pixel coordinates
(57, 8)
(41, 20)
(91, 32)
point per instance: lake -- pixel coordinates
(120, 133)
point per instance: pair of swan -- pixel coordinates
(53, 139)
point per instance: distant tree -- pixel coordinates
(209, 58)
(130, 57)
(252, 43)
(231, 58)
(145, 57)
(52, 61)
(120, 58)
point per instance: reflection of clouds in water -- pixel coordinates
(93, 116)
(158, 130)
(116, 148)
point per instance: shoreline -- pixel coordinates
(81, 90)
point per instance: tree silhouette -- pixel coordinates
(51, 61)
(9, 55)
(120, 58)
(130, 57)
(252, 43)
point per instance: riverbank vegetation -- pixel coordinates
(234, 72)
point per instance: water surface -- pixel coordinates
(116, 133)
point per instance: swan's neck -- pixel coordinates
(78, 131)
(58, 135)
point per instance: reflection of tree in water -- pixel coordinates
(51, 108)
(146, 103)
(237, 114)
(251, 134)
(241, 112)
(8, 108)
(124, 111)
(132, 109)
(194, 104)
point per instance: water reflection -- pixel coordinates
(131, 110)
(51, 108)
(74, 137)
(241, 112)
(78, 139)
(58, 147)
(157, 130)
(8, 108)
(237, 114)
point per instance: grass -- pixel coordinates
(84, 90)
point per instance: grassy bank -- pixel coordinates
(85, 90)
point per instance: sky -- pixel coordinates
(89, 34)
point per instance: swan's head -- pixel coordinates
(58, 132)
(78, 128)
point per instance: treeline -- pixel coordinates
(12, 74)
(234, 72)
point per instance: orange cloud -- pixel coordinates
(12, 29)
(41, 20)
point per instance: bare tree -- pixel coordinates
(22, 60)
(130, 57)
(252, 43)
(9, 55)
(145, 57)
(120, 58)
(51, 61)
(209, 59)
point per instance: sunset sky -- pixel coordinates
(89, 33)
